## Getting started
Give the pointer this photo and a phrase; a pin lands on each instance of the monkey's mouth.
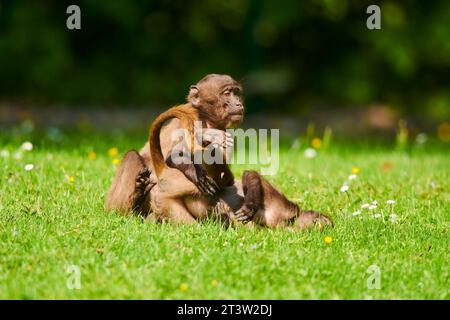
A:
(237, 117)
(239, 113)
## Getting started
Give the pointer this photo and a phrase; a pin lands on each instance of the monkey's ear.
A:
(193, 96)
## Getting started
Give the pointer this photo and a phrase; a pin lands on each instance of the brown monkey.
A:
(180, 191)
(215, 101)
(184, 191)
(255, 199)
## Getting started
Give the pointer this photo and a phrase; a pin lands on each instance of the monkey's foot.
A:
(222, 213)
(245, 213)
(143, 185)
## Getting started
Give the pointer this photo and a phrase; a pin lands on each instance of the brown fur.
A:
(149, 181)
(256, 201)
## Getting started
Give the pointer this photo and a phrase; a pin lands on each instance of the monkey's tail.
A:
(184, 114)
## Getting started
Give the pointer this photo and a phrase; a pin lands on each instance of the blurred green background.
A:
(293, 57)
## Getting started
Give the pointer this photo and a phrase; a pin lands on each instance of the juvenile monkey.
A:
(254, 199)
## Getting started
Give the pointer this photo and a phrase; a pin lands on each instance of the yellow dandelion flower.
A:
(184, 287)
(316, 143)
(355, 170)
(328, 239)
(70, 179)
(113, 152)
(443, 131)
(116, 162)
(214, 283)
(92, 155)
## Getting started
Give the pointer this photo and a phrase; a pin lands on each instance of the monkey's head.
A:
(219, 100)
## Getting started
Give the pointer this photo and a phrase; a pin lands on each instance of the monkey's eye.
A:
(227, 93)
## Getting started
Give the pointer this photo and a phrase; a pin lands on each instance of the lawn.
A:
(52, 225)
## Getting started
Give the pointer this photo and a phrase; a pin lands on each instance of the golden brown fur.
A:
(256, 201)
(150, 181)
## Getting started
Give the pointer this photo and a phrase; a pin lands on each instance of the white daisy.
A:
(356, 213)
(391, 202)
(27, 146)
(4, 154)
(377, 215)
(29, 167)
(372, 207)
(352, 177)
(393, 217)
(365, 206)
(310, 153)
(375, 202)
(18, 155)
(421, 138)
(344, 188)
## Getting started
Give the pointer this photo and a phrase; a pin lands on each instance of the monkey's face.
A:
(219, 99)
(230, 101)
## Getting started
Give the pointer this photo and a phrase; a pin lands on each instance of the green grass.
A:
(48, 223)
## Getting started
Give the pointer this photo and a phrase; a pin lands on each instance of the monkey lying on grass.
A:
(255, 200)
(163, 188)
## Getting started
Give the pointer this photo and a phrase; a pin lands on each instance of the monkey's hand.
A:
(204, 182)
(245, 213)
(217, 137)
(197, 175)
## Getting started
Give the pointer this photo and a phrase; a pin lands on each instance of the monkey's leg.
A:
(175, 211)
(253, 196)
(130, 188)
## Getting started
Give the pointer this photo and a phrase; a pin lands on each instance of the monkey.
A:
(255, 200)
(216, 102)
(146, 181)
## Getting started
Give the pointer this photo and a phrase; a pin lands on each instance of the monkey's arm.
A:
(196, 174)
(253, 189)
(223, 143)
(180, 157)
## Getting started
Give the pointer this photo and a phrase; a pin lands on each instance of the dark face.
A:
(219, 99)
